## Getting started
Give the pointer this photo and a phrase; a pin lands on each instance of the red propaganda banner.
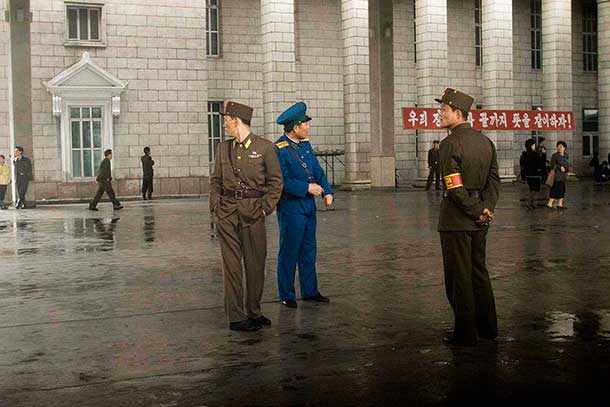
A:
(513, 120)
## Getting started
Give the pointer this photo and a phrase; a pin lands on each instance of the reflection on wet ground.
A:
(125, 309)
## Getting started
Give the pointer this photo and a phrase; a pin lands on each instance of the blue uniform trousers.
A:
(297, 246)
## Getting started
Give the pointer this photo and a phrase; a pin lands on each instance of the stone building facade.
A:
(77, 77)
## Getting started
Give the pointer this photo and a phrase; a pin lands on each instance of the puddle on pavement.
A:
(588, 325)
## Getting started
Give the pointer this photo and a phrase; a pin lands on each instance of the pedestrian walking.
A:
(104, 184)
(558, 176)
(533, 170)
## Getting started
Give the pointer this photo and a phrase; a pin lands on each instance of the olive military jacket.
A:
(104, 173)
(257, 166)
(473, 155)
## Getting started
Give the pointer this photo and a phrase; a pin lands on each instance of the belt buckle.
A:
(239, 194)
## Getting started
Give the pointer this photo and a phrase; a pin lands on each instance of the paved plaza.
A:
(126, 308)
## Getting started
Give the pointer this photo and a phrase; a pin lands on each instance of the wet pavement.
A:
(125, 309)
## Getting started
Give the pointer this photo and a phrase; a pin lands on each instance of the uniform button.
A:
(239, 158)
(302, 157)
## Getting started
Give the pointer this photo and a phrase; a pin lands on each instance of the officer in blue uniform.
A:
(304, 179)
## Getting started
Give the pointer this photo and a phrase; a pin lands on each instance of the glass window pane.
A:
(74, 112)
(214, 37)
(87, 164)
(86, 112)
(76, 164)
(75, 134)
(86, 134)
(97, 158)
(214, 22)
(97, 134)
(72, 24)
(94, 15)
(96, 112)
(83, 23)
(595, 144)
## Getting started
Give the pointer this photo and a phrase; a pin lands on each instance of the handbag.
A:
(550, 178)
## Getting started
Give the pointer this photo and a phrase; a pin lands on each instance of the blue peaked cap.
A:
(294, 115)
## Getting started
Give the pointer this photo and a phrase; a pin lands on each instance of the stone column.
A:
(497, 73)
(279, 71)
(603, 75)
(557, 64)
(20, 85)
(432, 67)
(355, 27)
(383, 157)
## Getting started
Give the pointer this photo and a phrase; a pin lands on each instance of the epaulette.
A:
(305, 139)
(282, 144)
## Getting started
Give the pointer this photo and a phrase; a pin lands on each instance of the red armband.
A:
(453, 181)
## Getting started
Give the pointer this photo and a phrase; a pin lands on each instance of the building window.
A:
(589, 33)
(212, 13)
(215, 128)
(84, 23)
(537, 134)
(590, 130)
(86, 140)
(415, 35)
(478, 31)
(536, 33)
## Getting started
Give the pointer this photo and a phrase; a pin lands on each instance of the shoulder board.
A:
(282, 144)
(305, 139)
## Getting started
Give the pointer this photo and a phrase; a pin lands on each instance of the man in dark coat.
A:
(104, 184)
(147, 174)
(433, 165)
(23, 175)
(469, 167)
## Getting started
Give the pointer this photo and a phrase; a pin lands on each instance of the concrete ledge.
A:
(124, 188)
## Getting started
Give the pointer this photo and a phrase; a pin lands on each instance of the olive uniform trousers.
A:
(468, 286)
(250, 244)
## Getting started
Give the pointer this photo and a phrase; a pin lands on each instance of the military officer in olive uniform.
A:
(304, 179)
(469, 168)
(244, 188)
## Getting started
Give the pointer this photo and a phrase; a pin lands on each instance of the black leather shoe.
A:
(93, 209)
(452, 341)
(262, 321)
(289, 303)
(117, 208)
(317, 298)
(246, 325)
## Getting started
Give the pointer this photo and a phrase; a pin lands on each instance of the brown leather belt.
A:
(243, 193)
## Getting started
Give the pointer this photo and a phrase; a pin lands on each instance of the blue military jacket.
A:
(295, 197)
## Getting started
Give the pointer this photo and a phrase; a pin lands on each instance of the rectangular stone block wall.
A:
(160, 50)
(463, 71)
(319, 66)
(584, 93)
(527, 83)
(238, 73)
(5, 144)
(405, 86)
